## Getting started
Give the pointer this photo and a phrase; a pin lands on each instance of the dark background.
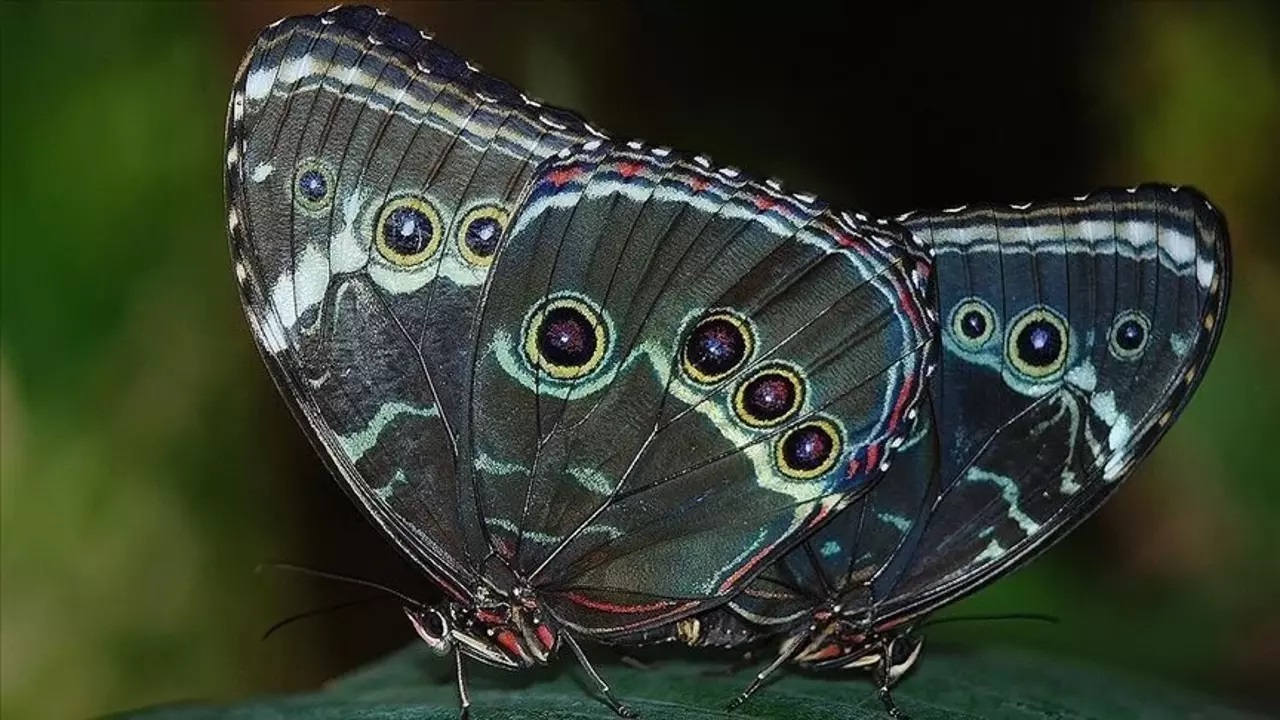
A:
(147, 464)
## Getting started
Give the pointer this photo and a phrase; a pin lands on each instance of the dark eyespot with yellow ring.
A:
(973, 323)
(313, 186)
(1129, 335)
(716, 347)
(808, 450)
(479, 232)
(407, 232)
(1037, 343)
(566, 338)
(770, 396)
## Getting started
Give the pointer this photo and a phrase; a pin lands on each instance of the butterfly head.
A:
(509, 634)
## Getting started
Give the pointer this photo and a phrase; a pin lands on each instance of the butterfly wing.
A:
(1074, 334)
(862, 543)
(677, 370)
(370, 173)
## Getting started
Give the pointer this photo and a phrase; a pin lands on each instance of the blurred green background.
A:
(147, 464)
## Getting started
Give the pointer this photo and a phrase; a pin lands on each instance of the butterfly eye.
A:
(566, 338)
(808, 450)
(407, 231)
(717, 346)
(1037, 343)
(973, 323)
(479, 232)
(769, 397)
(312, 186)
(1129, 335)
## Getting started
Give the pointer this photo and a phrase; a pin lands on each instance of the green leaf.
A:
(984, 685)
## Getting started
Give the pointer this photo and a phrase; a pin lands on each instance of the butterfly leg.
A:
(601, 685)
(883, 689)
(759, 680)
(464, 696)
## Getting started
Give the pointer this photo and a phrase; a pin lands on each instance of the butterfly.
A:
(587, 387)
(1073, 334)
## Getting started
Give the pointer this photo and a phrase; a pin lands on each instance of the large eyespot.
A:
(479, 232)
(808, 450)
(1037, 343)
(1129, 335)
(407, 231)
(312, 186)
(565, 337)
(716, 346)
(769, 397)
(973, 323)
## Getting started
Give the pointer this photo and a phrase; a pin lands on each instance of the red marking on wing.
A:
(823, 511)
(851, 241)
(658, 619)
(755, 559)
(907, 303)
(563, 176)
(699, 184)
(585, 601)
(854, 466)
(764, 203)
(627, 169)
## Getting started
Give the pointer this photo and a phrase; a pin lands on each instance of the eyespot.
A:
(479, 232)
(716, 346)
(1037, 343)
(566, 337)
(769, 397)
(808, 450)
(973, 323)
(408, 231)
(1129, 335)
(312, 186)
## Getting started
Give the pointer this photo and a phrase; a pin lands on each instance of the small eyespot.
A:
(566, 337)
(973, 323)
(408, 231)
(769, 396)
(1129, 335)
(312, 186)
(717, 346)
(479, 232)
(808, 450)
(1037, 343)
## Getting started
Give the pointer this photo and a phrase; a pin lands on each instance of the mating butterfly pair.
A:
(608, 391)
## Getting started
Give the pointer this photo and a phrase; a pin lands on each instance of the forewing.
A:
(370, 174)
(626, 465)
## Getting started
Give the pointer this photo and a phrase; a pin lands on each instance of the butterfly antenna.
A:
(1037, 617)
(320, 611)
(341, 578)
